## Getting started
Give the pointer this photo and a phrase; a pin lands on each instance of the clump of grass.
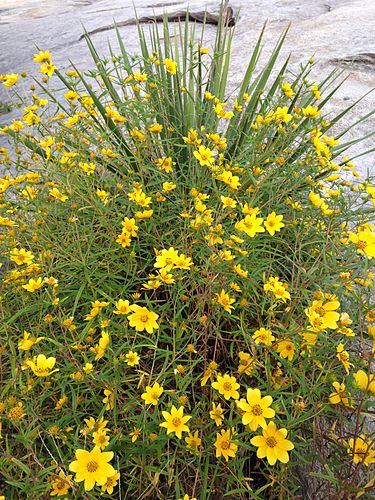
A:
(186, 289)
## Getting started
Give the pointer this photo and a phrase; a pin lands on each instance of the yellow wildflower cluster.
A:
(192, 271)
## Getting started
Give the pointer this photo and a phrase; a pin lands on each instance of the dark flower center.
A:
(271, 442)
(92, 466)
(257, 410)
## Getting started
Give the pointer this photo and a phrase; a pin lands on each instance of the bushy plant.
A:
(186, 283)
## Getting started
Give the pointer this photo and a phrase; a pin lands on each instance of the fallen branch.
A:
(363, 58)
(199, 17)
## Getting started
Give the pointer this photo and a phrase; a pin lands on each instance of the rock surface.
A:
(336, 32)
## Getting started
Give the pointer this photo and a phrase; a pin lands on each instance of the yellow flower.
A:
(286, 349)
(339, 395)
(146, 214)
(132, 358)
(255, 409)
(193, 442)
(21, 256)
(227, 386)
(208, 373)
(61, 485)
(316, 92)
(273, 223)
(170, 66)
(249, 210)
(238, 107)
(101, 347)
(109, 399)
(263, 336)
(72, 120)
(168, 186)
(343, 356)
(114, 115)
(124, 240)
(28, 342)
(370, 316)
(33, 285)
(111, 482)
(251, 225)
(42, 366)
(16, 413)
(143, 319)
(281, 115)
(225, 301)
(17, 126)
(47, 68)
(71, 95)
(364, 241)
(101, 439)
(5, 221)
(165, 163)
(273, 444)
(183, 262)
(208, 96)
(175, 421)
(233, 181)
(287, 89)
(97, 307)
(92, 467)
(219, 109)
(31, 118)
(220, 142)
(108, 152)
(9, 80)
(135, 434)
(311, 111)
(156, 128)
(216, 414)
(43, 57)
(192, 138)
(224, 445)
(235, 287)
(102, 195)
(204, 156)
(279, 289)
(140, 77)
(228, 202)
(88, 368)
(346, 331)
(61, 402)
(101, 424)
(361, 450)
(122, 307)
(166, 258)
(345, 319)
(364, 381)
(88, 168)
(57, 194)
(241, 272)
(246, 363)
(152, 394)
(322, 315)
